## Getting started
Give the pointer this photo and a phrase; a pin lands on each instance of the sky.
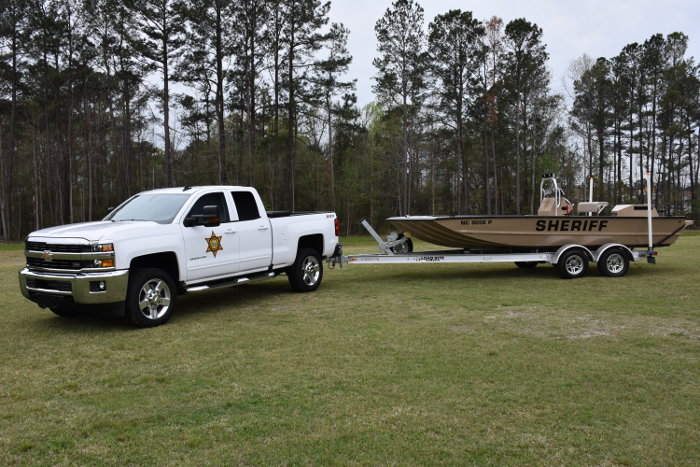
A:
(570, 29)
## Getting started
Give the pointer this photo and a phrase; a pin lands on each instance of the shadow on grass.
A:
(95, 319)
(482, 272)
(234, 301)
(231, 300)
(191, 306)
(495, 273)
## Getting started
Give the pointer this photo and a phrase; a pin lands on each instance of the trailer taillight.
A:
(337, 227)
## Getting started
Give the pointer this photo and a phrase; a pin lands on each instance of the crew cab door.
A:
(211, 251)
(254, 233)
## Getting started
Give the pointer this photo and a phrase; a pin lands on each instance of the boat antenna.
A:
(650, 253)
(590, 190)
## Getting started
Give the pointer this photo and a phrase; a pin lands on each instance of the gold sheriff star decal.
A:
(214, 243)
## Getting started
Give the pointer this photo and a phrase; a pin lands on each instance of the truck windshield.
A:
(161, 208)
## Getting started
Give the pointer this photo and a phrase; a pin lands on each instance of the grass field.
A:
(392, 364)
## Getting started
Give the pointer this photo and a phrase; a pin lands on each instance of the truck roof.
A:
(197, 189)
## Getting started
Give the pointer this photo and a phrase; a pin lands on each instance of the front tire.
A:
(306, 273)
(573, 264)
(613, 263)
(151, 297)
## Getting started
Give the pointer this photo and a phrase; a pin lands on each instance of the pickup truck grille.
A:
(58, 264)
(42, 246)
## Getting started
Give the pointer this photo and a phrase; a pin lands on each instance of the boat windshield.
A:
(160, 207)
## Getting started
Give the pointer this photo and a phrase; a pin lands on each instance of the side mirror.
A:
(210, 217)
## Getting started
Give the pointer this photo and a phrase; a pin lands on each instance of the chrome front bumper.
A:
(45, 288)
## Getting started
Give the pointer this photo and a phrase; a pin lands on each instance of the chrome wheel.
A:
(574, 265)
(154, 298)
(306, 274)
(615, 263)
(311, 270)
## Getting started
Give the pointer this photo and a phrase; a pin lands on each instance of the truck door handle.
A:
(230, 231)
(262, 227)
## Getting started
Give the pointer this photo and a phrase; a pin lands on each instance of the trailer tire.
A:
(405, 247)
(526, 264)
(613, 262)
(573, 264)
(150, 298)
(306, 273)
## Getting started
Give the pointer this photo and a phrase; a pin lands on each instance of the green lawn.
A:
(384, 364)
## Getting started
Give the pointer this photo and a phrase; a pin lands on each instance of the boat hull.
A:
(538, 232)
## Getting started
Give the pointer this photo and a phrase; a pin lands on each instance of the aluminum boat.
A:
(558, 222)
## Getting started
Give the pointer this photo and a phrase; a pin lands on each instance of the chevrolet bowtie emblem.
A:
(47, 255)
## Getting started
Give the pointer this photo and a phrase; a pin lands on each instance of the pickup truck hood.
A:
(96, 231)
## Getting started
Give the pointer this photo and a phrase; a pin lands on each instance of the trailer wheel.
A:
(573, 264)
(306, 273)
(405, 247)
(613, 263)
(526, 264)
(150, 298)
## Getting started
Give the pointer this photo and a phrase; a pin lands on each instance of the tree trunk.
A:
(517, 155)
(331, 170)
(169, 171)
(291, 117)
(221, 149)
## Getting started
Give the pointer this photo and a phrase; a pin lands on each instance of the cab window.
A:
(217, 199)
(245, 205)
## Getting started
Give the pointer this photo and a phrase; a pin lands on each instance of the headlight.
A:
(104, 263)
(102, 247)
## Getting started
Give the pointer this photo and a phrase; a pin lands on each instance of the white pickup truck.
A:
(162, 243)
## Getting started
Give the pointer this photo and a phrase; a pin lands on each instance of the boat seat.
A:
(633, 210)
(591, 206)
(548, 207)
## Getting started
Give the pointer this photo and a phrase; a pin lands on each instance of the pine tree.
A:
(401, 69)
(456, 51)
(162, 28)
(301, 39)
(526, 57)
(329, 84)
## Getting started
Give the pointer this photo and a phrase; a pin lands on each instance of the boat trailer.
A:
(571, 261)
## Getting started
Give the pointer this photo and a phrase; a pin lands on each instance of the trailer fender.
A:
(568, 247)
(599, 252)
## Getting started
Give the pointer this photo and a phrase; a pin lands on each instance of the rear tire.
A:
(573, 264)
(151, 297)
(613, 263)
(306, 273)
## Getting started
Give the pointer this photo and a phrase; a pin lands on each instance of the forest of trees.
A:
(100, 99)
